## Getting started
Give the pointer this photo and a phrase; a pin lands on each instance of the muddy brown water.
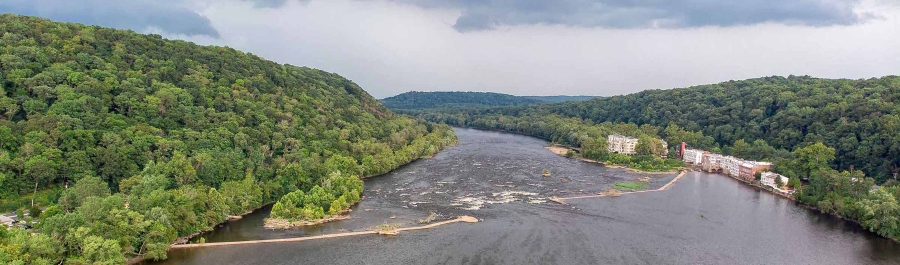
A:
(496, 177)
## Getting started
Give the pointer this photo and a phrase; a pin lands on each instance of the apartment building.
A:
(621, 144)
(693, 156)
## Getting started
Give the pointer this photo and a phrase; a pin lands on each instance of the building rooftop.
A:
(6, 219)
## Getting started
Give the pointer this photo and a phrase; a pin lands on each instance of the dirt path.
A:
(664, 187)
(466, 219)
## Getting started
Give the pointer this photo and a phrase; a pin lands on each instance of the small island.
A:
(298, 208)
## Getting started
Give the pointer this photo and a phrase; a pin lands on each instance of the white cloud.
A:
(389, 48)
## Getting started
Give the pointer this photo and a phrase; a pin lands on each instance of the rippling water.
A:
(702, 219)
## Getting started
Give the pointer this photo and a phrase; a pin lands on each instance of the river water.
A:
(496, 177)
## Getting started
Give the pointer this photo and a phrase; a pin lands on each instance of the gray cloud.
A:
(489, 14)
(389, 48)
(171, 16)
(271, 3)
(267, 3)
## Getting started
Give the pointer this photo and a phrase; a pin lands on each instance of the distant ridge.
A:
(426, 100)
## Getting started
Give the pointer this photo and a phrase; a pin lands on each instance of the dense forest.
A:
(859, 118)
(560, 98)
(841, 137)
(430, 100)
(427, 100)
(128, 141)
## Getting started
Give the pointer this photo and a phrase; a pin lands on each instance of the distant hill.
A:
(560, 98)
(428, 100)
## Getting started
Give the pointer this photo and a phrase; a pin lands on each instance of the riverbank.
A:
(186, 238)
(466, 219)
(756, 184)
(562, 150)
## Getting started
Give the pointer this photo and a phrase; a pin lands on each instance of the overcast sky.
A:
(526, 47)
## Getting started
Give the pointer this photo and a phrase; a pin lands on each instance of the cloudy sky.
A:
(524, 47)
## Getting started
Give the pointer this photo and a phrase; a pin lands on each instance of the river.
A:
(496, 177)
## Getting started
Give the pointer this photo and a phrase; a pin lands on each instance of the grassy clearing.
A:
(42, 198)
(630, 185)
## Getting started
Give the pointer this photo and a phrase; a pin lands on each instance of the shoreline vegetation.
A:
(564, 151)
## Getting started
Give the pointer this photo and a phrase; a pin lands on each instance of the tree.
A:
(643, 146)
(96, 250)
(812, 158)
(84, 188)
(292, 176)
(39, 169)
(794, 183)
(180, 169)
(778, 182)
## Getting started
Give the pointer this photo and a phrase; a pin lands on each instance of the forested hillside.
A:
(859, 118)
(427, 100)
(415, 100)
(159, 138)
(560, 98)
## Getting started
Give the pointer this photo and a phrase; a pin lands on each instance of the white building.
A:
(693, 156)
(731, 165)
(768, 178)
(621, 144)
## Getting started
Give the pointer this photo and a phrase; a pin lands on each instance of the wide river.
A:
(496, 177)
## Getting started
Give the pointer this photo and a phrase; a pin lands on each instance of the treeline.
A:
(584, 134)
(839, 136)
(157, 139)
(428, 100)
(849, 194)
(859, 118)
(560, 98)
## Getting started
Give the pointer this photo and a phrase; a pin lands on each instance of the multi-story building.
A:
(712, 162)
(731, 165)
(693, 156)
(621, 144)
(748, 169)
